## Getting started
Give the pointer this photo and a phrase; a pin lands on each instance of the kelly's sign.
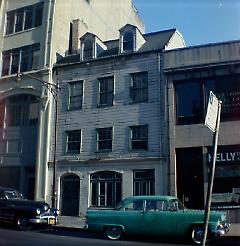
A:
(225, 156)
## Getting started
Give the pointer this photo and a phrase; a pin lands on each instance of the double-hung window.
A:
(104, 139)
(139, 137)
(139, 87)
(106, 89)
(73, 142)
(75, 95)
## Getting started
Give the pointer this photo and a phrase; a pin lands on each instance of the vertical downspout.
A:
(164, 126)
(49, 58)
(45, 115)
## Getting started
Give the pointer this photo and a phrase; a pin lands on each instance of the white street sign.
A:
(212, 112)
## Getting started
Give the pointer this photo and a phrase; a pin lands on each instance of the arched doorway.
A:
(70, 191)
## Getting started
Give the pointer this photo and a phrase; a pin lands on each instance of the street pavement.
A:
(78, 223)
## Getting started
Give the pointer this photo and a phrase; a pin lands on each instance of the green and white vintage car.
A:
(155, 216)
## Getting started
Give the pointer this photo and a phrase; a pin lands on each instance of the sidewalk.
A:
(69, 222)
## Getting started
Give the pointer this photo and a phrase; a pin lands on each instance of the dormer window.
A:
(88, 50)
(91, 46)
(128, 41)
(131, 39)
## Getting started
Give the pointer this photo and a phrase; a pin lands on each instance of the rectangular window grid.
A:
(139, 87)
(24, 18)
(139, 137)
(73, 141)
(22, 110)
(144, 182)
(20, 60)
(106, 89)
(104, 138)
(75, 95)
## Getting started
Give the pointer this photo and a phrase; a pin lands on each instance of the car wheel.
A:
(21, 223)
(197, 234)
(113, 232)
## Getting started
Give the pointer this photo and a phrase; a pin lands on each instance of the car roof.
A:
(165, 198)
(6, 189)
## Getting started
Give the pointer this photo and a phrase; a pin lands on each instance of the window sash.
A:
(10, 22)
(139, 88)
(104, 139)
(73, 141)
(24, 18)
(75, 95)
(21, 59)
(19, 20)
(139, 137)
(106, 90)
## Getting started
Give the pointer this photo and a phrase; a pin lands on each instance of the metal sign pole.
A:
(210, 182)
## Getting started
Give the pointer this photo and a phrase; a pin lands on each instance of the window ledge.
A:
(20, 32)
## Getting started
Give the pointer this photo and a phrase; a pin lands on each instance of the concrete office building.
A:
(33, 34)
(112, 127)
(191, 73)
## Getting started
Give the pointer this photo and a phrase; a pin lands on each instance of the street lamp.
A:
(53, 89)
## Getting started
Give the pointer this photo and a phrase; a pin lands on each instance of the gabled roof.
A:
(154, 41)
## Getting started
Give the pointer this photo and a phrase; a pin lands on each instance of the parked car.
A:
(23, 213)
(155, 216)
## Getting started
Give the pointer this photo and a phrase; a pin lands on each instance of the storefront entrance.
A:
(70, 191)
(190, 189)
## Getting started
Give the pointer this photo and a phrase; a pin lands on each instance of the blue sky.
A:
(199, 21)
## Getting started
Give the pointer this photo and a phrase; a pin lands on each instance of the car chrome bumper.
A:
(222, 230)
(46, 219)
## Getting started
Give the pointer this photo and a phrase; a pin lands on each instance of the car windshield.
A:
(119, 205)
(11, 194)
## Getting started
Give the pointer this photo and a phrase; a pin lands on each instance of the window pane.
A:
(106, 91)
(94, 194)
(109, 194)
(10, 22)
(38, 14)
(75, 95)
(15, 61)
(139, 137)
(227, 89)
(118, 192)
(28, 18)
(188, 99)
(88, 50)
(139, 89)
(143, 182)
(19, 20)
(128, 41)
(35, 56)
(2, 113)
(73, 141)
(24, 60)
(6, 63)
(104, 139)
